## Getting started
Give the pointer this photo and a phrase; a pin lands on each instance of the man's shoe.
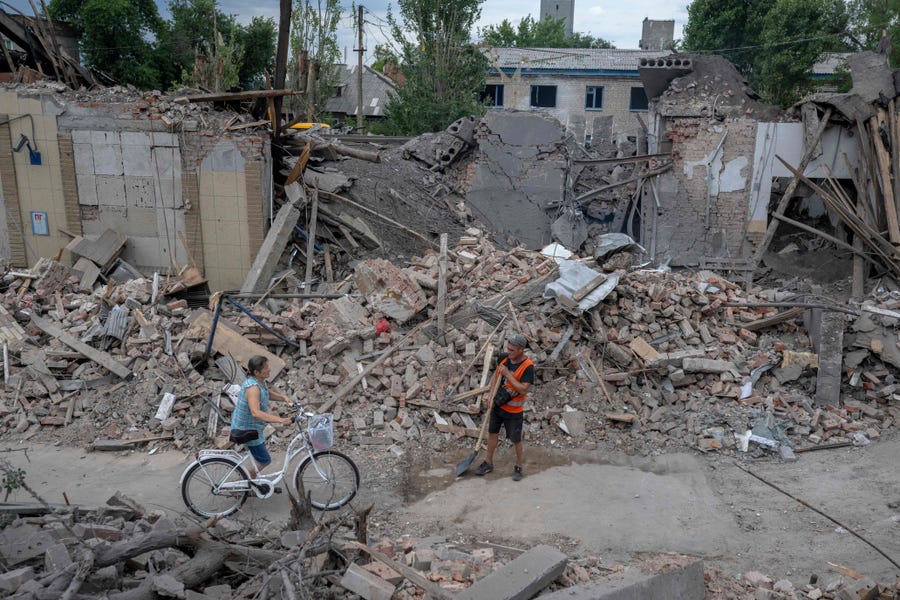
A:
(517, 473)
(484, 468)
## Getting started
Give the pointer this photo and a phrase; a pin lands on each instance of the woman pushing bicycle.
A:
(252, 413)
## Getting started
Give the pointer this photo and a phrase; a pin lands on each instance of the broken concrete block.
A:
(707, 365)
(369, 586)
(166, 585)
(56, 558)
(266, 260)
(523, 577)
(675, 359)
(19, 543)
(345, 312)
(383, 571)
(11, 580)
(388, 290)
(575, 423)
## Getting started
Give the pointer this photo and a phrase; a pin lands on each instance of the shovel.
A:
(465, 463)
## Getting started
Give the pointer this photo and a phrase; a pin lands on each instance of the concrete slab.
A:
(681, 584)
(369, 586)
(272, 248)
(831, 348)
(521, 578)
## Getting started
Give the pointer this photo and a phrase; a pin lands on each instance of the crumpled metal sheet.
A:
(573, 276)
(117, 322)
(610, 243)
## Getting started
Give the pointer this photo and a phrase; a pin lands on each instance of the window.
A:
(543, 96)
(492, 95)
(638, 100)
(593, 99)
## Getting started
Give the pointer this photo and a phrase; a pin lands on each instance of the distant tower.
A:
(657, 35)
(559, 9)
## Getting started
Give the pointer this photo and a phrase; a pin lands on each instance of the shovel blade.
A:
(465, 463)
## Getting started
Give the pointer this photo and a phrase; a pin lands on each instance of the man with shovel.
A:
(517, 374)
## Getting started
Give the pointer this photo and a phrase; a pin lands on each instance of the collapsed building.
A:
(122, 206)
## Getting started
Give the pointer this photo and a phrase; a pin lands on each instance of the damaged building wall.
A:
(32, 188)
(704, 215)
(787, 140)
(521, 169)
(114, 163)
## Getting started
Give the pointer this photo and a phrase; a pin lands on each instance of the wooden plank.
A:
(589, 287)
(640, 347)
(89, 273)
(101, 358)
(786, 196)
(781, 317)
(103, 251)
(887, 188)
(229, 342)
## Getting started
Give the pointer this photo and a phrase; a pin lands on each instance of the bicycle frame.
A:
(294, 449)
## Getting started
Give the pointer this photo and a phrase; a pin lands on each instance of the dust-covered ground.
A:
(599, 503)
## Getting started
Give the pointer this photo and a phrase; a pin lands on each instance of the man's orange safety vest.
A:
(517, 402)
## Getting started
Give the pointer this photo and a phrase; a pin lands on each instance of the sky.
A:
(613, 20)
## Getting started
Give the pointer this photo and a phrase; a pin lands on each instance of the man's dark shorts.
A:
(512, 422)
(260, 454)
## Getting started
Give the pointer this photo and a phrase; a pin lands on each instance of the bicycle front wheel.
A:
(201, 488)
(332, 485)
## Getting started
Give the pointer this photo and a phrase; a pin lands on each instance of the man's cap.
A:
(517, 339)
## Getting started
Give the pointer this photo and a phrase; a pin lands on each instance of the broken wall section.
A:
(520, 170)
(155, 169)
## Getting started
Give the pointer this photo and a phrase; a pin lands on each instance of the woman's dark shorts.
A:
(512, 422)
(260, 454)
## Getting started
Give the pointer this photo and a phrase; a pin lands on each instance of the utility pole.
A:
(359, 72)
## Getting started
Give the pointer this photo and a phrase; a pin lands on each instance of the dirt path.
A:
(611, 506)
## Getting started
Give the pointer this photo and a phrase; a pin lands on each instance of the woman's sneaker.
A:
(484, 468)
(517, 473)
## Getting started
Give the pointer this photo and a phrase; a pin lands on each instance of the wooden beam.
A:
(228, 96)
(281, 59)
(442, 291)
(95, 355)
(792, 186)
(311, 239)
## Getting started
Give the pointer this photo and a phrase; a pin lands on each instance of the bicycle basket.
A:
(320, 431)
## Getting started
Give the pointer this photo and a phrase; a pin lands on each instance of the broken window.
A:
(543, 96)
(593, 99)
(492, 95)
(638, 100)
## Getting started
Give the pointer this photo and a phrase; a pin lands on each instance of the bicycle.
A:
(217, 484)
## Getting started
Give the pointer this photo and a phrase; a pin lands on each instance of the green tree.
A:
(773, 43)
(204, 43)
(258, 41)
(784, 75)
(313, 31)
(870, 18)
(383, 55)
(546, 33)
(115, 36)
(444, 72)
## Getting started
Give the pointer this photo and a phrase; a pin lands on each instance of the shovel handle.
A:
(487, 415)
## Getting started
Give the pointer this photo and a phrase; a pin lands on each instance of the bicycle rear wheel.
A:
(199, 488)
(338, 486)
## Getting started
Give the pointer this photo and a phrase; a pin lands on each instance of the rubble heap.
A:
(665, 359)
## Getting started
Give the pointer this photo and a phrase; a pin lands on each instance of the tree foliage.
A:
(313, 30)
(773, 43)
(258, 42)
(444, 72)
(870, 18)
(530, 33)
(115, 36)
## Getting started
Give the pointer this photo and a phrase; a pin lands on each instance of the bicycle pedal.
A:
(277, 490)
